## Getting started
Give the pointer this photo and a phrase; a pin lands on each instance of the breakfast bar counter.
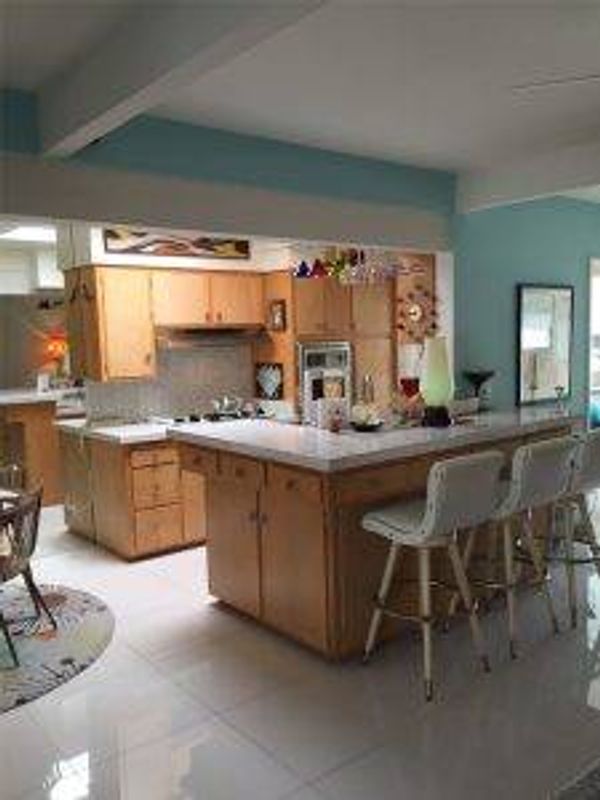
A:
(284, 505)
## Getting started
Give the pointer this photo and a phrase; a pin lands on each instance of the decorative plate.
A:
(269, 381)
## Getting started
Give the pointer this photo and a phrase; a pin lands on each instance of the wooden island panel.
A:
(285, 544)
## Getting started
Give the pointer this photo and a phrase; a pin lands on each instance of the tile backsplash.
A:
(186, 381)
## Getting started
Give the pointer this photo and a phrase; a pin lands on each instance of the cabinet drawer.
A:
(196, 459)
(156, 486)
(149, 456)
(158, 529)
(290, 481)
(241, 468)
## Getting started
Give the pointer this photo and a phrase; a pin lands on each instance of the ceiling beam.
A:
(556, 172)
(153, 52)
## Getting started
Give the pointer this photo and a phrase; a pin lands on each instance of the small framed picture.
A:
(277, 316)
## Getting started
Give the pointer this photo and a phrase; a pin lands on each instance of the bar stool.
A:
(541, 476)
(462, 493)
(585, 479)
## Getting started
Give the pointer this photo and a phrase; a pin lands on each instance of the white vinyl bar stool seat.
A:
(541, 476)
(461, 494)
(585, 479)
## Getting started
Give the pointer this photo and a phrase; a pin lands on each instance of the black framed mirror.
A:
(545, 342)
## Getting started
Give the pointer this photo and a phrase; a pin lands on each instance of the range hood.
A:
(189, 338)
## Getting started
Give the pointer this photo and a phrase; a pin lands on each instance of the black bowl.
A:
(366, 427)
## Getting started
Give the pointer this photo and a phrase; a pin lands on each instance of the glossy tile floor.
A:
(191, 702)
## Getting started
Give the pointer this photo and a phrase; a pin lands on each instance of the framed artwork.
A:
(134, 241)
(277, 316)
(545, 342)
(269, 380)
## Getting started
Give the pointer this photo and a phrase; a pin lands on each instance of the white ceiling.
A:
(432, 84)
(42, 37)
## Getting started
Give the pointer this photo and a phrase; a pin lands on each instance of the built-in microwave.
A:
(324, 371)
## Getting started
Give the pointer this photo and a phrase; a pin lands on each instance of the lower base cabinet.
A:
(293, 556)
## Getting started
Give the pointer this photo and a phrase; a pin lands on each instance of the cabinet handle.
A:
(253, 516)
(263, 519)
(219, 316)
(207, 316)
(238, 472)
(148, 358)
(290, 484)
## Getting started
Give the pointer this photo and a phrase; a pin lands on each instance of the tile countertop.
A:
(329, 452)
(22, 397)
(135, 433)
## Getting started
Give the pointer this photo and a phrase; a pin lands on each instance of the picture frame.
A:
(277, 316)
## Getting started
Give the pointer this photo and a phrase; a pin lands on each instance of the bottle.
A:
(368, 389)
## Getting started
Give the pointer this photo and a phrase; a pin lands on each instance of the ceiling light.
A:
(30, 233)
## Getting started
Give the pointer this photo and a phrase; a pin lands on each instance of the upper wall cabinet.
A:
(323, 307)
(236, 298)
(109, 319)
(372, 309)
(213, 299)
(180, 298)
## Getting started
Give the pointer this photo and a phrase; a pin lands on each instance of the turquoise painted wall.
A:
(546, 241)
(150, 144)
(18, 121)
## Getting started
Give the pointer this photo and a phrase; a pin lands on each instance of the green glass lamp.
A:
(437, 384)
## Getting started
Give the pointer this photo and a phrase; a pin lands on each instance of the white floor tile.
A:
(212, 762)
(140, 724)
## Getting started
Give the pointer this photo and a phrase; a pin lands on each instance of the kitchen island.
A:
(283, 511)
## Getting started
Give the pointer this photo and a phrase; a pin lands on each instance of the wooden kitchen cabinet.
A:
(180, 298)
(110, 324)
(293, 555)
(323, 307)
(139, 499)
(372, 310)
(374, 357)
(233, 548)
(236, 298)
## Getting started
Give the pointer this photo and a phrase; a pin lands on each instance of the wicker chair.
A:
(19, 523)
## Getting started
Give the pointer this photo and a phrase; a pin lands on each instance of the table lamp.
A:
(437, 385)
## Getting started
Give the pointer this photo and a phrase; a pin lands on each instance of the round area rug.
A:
(49, 657)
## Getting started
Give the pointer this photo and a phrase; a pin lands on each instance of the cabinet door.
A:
(74, 320)
(180, 298)
(158, 529)
(372, 309)
(338, 308)
(233, 542)
(193, 493)
(375, 358)
(127, 325)
(309, 306)
(237, 299)
(293, 555)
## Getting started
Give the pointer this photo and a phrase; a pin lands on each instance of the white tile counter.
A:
(329, 452)
(135, 433)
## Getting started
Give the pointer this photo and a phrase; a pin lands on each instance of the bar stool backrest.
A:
(586, 472)
(541, 473)
(462, 492)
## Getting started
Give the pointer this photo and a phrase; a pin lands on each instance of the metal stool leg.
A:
(425, 614)
(37, 597)
(466, 560)
(509, 578)
(9, 641)
(570, 566)
(382, 594)
(465, 592)
(538, 566)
